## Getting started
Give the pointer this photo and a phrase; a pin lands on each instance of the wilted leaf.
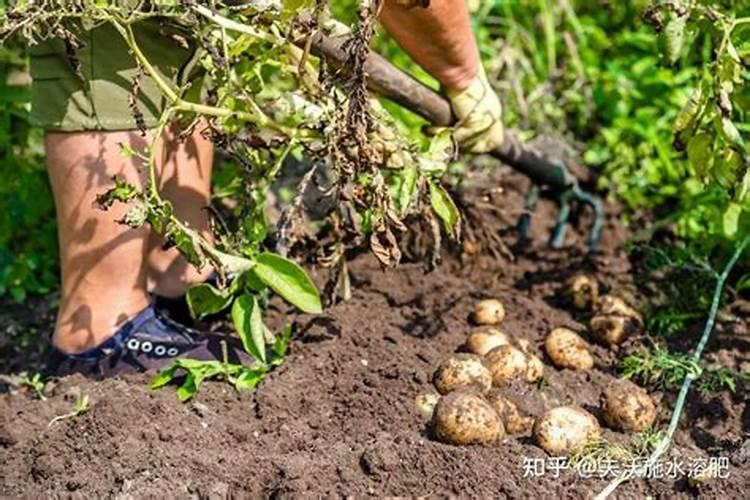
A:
(385, 247)
(691, 113)
(699, 153)
(673, 36)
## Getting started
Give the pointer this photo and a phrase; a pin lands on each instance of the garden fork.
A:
(551, 178)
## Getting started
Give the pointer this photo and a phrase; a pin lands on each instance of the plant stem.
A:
(663, 444)
(179, 104)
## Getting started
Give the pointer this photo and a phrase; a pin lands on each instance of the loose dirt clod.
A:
(424, 404)
(462, 370)
(506, 363)
(563, 430)
(464, 417)
(628, 407)
(567, 349)
(484, 340)
(582, 291)
(488, 312)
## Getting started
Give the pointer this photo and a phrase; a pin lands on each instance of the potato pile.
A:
(471, 407)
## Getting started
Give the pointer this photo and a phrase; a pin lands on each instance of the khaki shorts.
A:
(63, 101)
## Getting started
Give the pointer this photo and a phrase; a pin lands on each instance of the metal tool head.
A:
(566, 198)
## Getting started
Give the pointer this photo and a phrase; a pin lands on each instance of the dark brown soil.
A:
(337, 418)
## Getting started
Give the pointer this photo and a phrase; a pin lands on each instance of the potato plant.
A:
(270, 103)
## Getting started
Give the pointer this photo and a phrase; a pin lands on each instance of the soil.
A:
(337, 418)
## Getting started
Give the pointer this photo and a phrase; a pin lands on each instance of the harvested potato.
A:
(483, 341)
(563, 430)
(582, 291)
(488, 312)
(628, 407)
(534, 368)
(515, 422)
(462, 370)
(612, 305)
(465, 417)
(505, 363)
(612, 330)
(425, 404)
(567, 349)
(614, 321)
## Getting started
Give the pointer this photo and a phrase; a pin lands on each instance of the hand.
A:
(479, 128)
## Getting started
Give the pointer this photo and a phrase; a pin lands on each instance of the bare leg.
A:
(102, 261)
(185, 178)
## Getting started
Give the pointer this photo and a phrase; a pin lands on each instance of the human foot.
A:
(149, 340)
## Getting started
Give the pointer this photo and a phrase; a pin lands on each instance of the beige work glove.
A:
(479, 128)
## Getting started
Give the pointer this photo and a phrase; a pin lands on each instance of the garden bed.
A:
(338, 419)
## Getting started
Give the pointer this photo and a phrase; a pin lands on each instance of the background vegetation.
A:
(594, 72)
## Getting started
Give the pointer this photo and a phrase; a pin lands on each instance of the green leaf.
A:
(249, 379)
(743, 283)
(281, 345)
(444, 207)
(205, 299)
(407, 188)
(163, 377)
(248, 321)
(731, 219)
(188, 388)
(289, 280)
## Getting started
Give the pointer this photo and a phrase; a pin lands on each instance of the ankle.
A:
(83, 325)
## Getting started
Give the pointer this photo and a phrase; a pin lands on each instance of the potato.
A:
(534, 368)
(462, 370)
(614, 321)
(506, 363)
(513, 420)
(465, 417)
(488, 312)
(563, 430)
(567, 349)
(483, 341)
(425, 404)
(628, 407)
(582, 291)
(612, 330)
(612, 305)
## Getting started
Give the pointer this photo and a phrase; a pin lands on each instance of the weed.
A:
(598, 451)
(659, 367)
(81, 406)
(36, 383)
